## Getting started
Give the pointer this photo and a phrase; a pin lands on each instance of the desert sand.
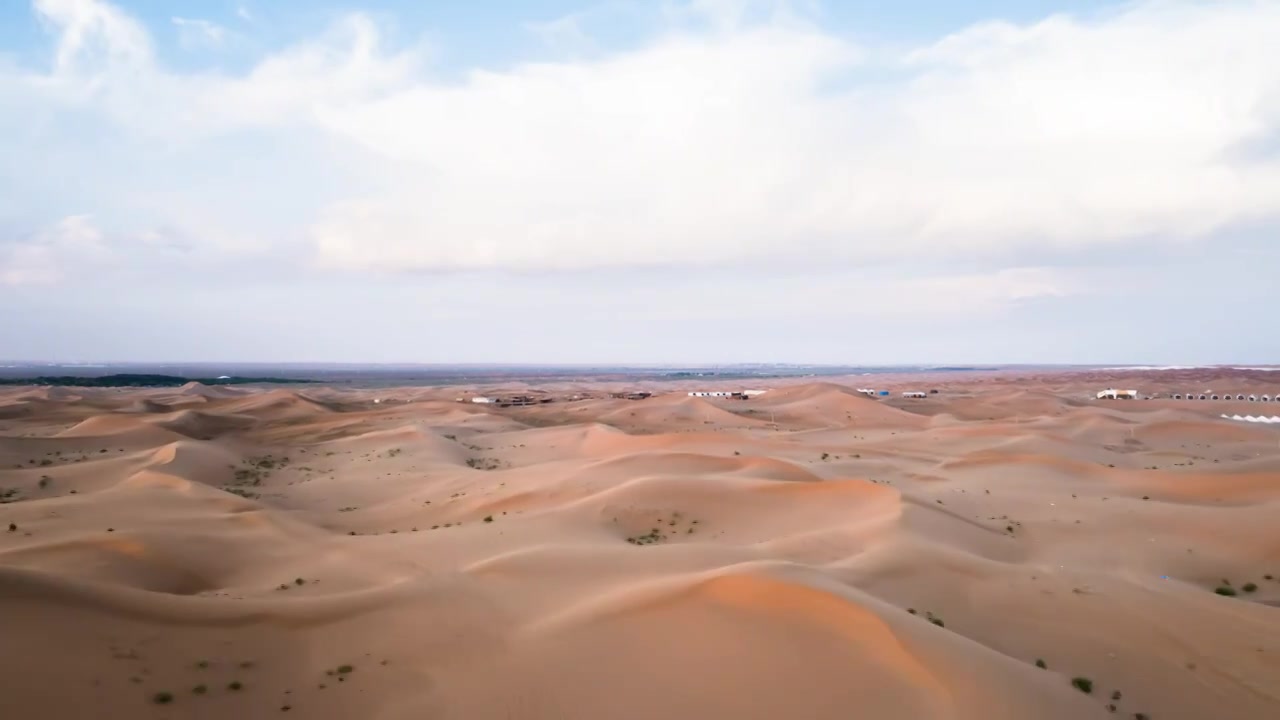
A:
(210, 552)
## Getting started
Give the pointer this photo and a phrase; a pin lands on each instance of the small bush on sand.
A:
(1249, 587)
(1226, 590)
(1083, 684)
(162, 698)
(199, 689)
(235, 686)
(1042, 664)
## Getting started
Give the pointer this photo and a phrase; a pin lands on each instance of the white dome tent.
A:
(1272, 420)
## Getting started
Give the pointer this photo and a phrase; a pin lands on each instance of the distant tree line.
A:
(142, 380)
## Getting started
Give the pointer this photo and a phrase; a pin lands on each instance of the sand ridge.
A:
(390, 553)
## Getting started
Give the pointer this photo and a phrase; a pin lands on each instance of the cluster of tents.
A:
(1227, 396)
(1274, 419)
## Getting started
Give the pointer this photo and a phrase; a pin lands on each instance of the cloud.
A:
(564, 35)
(91, 32)
(243, 13)
(741, 133)
(194, 32)
(756, 144)
(42, 258)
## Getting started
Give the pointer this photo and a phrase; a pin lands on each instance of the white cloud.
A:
(42, 258)
(753, 140)
(91, 32)
(243, 13)
(194, 32)
(564, 35)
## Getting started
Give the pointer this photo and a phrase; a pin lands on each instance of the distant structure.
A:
(1114, 394)
(1209, 395)
(915, 394)
(482, 400)
(1272, 420)
(735, 394)
(518, 401)
(631, 395)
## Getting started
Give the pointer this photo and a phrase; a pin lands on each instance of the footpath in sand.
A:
(1000, 551)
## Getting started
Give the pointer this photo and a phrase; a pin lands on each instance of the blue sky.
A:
(685, 181)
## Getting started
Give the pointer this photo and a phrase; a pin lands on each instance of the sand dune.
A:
(663, 414)
(809, 553)
(828, 404)
(204, 425)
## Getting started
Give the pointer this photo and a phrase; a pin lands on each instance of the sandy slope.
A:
(811, 553)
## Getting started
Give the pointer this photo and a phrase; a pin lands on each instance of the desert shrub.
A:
(199, 689)
(1042, 664)
(235, 686)
(162, 698)
(1249, 587)
(1083, 684)
(1225, 590)
(488, 518)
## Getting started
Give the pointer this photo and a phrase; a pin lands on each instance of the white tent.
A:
(1272, 420)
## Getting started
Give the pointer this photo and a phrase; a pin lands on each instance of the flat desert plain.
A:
(1009, 548)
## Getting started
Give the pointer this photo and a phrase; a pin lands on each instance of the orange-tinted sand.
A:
(810, 553)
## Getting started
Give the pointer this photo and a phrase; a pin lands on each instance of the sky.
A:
(678, 181)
